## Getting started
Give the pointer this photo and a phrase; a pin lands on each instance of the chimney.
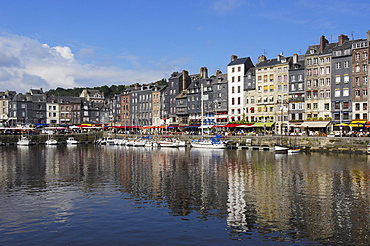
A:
(261, 58)
(295, 58)
(185, 75)
(342, 39)
(218, 72)
(323, 43)
(279, 57)
(233, 58)
(368, 35)
(203, 72)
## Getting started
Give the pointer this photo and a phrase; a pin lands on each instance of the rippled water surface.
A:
(113, 195)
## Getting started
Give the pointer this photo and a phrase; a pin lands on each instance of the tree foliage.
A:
(109, 92)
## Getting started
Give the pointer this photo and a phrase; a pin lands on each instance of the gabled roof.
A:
(244, 60)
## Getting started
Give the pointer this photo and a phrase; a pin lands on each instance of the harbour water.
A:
(115, 195)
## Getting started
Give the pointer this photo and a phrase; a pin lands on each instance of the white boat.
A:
(180, 143)
(281, 149)
(24, 141)
(120, 141)
(110, 141)
(139, 143)
(168, 143)
(71, 140)
(51, 141)
(208, 144)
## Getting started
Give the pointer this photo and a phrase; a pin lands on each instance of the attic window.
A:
(312, 51)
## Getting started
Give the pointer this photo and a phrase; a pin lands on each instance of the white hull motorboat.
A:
(71, 140)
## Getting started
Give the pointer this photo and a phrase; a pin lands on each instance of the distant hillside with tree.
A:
(109, 92)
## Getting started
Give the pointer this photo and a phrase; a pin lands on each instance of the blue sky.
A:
(87, 43)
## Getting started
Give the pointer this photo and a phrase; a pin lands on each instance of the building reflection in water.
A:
(323, 197)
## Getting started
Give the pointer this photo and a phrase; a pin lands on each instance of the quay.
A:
(356, 145)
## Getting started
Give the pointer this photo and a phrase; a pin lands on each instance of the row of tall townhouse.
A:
(329, 83)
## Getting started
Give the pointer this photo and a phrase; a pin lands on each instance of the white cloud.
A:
(226, 6)
(26, 63)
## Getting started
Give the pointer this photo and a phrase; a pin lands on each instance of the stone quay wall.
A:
(311, 143)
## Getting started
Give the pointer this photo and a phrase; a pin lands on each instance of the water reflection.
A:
(297, 198)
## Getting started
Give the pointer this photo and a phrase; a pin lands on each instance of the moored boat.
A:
(168, 143)
(281, 149)
(24, 141)
(294, 150)
(51, 141)
(71, 140)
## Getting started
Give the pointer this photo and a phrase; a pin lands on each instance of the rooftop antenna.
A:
(353, 36)
(265, 52)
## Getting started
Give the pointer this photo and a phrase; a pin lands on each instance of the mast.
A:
(201, 106)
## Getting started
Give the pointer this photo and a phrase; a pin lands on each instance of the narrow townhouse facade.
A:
(250, 95)
(70, 110)
(52, 111)
(176, 83)
(360, 75)
(156, 105)
(281, 90)
(236, 71)
(268, 109)
(341, 81)
(5, 98)
(125, 108)
(220, 97)
(20, 108)
(318, 80)
(296, 92)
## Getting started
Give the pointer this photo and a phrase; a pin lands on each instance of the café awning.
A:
(315, 124)
(263, 124)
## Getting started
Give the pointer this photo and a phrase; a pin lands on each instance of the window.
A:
(326, 106)
(232, 101)
(239, 69)
(357, 56)
(309, 61)
(365, 81)
(337, 65)
(309, 94)
(238, 78)
(346, 78)
(364, 67)
(322, 70)
(309, 72)
(337, 79)
(322, 82)
(357, 106)
(315, 60)
(308, 83)
(322, 94)
(364, 55)
(315, 106)
(308, 105)
(357, 68)
(327, 81)
(315, 94)
(327, 70)
(345, 92)
(346, 64)
(232, 89)
(239, 89)
(357, 81)
(233, 69)
(337, 93)
(357, 93)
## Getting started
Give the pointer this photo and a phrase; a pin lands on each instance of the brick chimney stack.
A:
(323, 43)
(342, 39)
